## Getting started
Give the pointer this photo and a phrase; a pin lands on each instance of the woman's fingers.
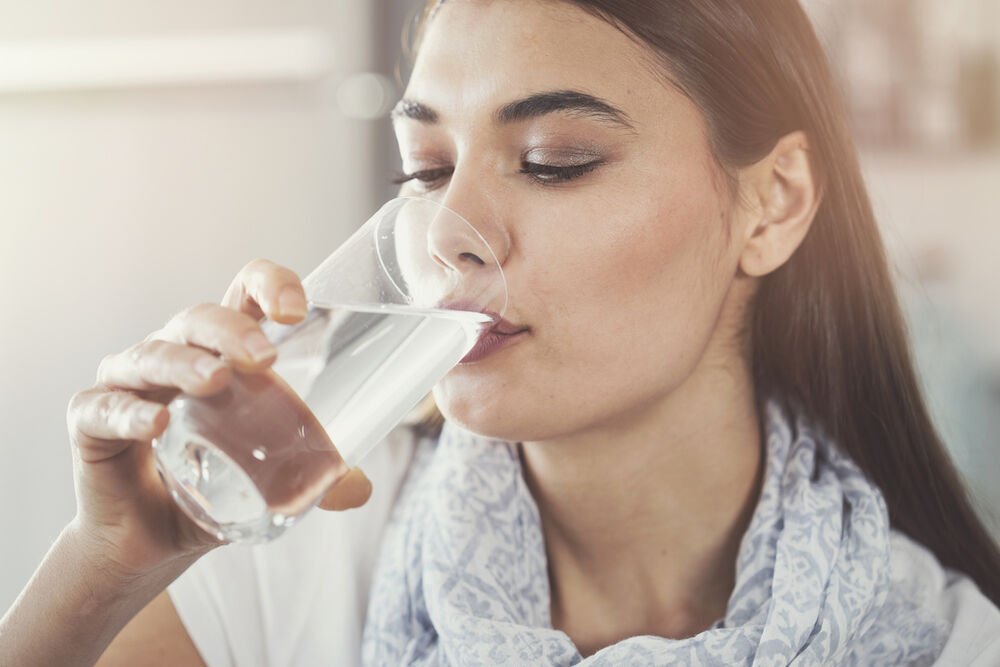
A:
(265, 289)
(183, 356)
(171, 358)
(237, 336)
(352, 491)
(102, 423)
(154, 364)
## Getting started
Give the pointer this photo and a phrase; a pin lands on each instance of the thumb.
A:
(353, 490)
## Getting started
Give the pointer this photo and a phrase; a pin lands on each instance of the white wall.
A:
(120, 207)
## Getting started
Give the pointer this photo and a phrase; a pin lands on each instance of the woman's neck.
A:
(643, 518)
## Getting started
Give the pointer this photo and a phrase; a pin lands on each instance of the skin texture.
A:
(631, 390)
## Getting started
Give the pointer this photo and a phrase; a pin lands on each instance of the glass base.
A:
(206, 483)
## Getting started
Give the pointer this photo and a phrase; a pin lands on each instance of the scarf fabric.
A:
(462, 574)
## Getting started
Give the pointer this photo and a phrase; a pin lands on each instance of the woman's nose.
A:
(454, 243)
(482, 239)
(467, 241)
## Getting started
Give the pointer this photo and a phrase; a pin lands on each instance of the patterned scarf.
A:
(462, 578)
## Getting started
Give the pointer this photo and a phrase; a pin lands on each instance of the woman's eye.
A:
(546, 173)
(429, 178)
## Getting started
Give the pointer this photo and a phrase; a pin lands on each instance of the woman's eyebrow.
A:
(530, 107)
(573, 101)
(414, 111)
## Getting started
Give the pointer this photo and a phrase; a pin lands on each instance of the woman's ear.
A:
(781, 198)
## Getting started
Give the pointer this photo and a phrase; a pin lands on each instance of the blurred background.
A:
(149, 150)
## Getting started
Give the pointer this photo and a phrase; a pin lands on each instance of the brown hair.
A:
(827, 333)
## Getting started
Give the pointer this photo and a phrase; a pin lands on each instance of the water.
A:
(246, 463)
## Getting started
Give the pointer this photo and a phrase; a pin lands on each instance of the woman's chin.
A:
(499, 422)
(476, 418)
(482, 417)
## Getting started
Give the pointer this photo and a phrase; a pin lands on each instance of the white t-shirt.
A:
(301, 600)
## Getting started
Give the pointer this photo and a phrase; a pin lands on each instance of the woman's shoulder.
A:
(969, 621)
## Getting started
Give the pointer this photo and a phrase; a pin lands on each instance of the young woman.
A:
(703, 442)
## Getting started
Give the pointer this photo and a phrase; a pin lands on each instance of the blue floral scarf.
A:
(462, 579)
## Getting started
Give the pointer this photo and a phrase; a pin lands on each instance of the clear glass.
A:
(391, 311)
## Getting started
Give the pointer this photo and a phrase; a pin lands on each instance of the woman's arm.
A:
(75, 604)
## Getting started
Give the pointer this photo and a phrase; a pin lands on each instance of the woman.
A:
(702, 444)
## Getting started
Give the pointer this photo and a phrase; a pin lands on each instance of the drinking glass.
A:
(391, 311)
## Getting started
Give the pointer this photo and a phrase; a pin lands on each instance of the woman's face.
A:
(550, 131)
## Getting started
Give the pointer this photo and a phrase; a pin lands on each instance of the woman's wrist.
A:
(77, 602)
(123, 577)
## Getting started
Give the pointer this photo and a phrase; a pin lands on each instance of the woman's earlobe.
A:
(786, 188)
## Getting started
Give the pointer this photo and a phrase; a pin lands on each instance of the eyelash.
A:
(540, 173)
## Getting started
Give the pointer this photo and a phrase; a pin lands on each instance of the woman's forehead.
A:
(477, 54)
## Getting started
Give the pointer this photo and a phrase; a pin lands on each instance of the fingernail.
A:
(259, 347)
(291, 302)
(207, 366)
(147, 414)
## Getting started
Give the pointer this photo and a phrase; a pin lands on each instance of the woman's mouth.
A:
(497, 337)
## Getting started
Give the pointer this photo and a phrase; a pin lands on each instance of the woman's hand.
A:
(125, 515)
(129, 540)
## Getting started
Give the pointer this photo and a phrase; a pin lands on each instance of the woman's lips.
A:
(500, 335)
